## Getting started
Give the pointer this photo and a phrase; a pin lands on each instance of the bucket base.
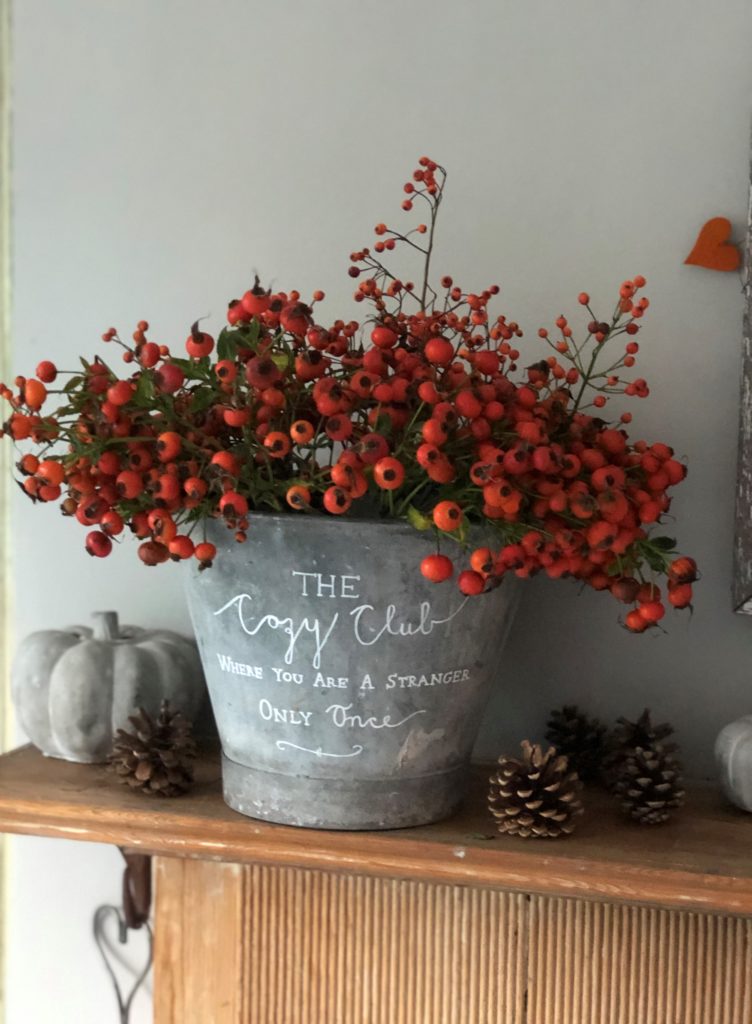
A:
(346, 805)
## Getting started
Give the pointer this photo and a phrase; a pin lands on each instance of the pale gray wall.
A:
(164, 149)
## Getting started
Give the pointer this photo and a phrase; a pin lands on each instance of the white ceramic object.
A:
(73, 688)
(733, 752)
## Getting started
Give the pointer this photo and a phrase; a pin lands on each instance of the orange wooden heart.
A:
(713, 248)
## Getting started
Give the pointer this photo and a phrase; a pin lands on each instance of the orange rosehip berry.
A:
(447, 516)
(112, 523)
(470, 582)
(437, 568)
(236, 417)
(120, 392)
(51, 472)
(34, 393)
(277, 444)
(205, 552)
(233, 505)
(29, 464)
(634, 622)
(439, 351)
(301, 431)
(168, 446)
(195, 488)
(298, 497)
(98, 544)
(129, 484)
(683, 570)
(198, 343)
(482, 560)
(680, 595)
(180, 547)
(226, 462)
(337, 500)
(652, 611)
(383, 337)
(389, 473)
(151, 552)
(226, 370)
(46, 371)
(161, 526)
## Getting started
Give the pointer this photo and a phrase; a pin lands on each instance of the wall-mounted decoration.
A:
(714, 249)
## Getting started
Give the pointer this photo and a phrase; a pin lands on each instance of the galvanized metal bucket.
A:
(347, 689)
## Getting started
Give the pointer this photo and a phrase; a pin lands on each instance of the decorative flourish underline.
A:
(283, 744)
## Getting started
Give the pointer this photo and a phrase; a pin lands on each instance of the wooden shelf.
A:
(702, 861)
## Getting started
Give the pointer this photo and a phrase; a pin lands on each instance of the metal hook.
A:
(133, 916)
(100, 915)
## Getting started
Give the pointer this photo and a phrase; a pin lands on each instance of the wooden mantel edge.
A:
(529, 870)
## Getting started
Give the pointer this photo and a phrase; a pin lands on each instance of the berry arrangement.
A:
(419, 413)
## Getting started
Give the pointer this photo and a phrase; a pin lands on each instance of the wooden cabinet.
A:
(448, 924)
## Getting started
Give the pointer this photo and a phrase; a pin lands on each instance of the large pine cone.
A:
(580, 738)
(649, 784)
(158, 756)
(536, 795)
(626, 737)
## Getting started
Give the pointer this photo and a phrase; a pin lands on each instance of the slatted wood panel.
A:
(346, 949)
(605, 963)
(271, 945)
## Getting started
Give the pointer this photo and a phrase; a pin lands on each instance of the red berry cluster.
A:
(417, 413)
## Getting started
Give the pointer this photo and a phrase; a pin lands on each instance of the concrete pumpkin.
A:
(733, 751)
(72, 689)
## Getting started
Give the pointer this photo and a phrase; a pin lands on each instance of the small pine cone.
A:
(536, 795)
(626, 737)
(157, 757)
(649, 784)
(580, 738)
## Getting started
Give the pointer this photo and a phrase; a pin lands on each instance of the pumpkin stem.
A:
(106, 626)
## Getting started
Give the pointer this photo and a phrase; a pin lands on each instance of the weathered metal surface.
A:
(742, 585)
(347, 689)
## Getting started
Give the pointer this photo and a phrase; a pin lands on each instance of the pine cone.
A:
(649, 784)
(580, 738)
(158, 756)
(536, 795)
(626, 737)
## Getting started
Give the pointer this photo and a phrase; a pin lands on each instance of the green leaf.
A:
(72, 384)
(383, 425)
(656, 561)
(227, 344)
(281, 360)
(663, 543)
(201, 399)
(245, 335)
(418, 519)
(144, 394)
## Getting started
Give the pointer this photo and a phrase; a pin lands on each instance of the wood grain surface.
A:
(259, 944)
(702, 860)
